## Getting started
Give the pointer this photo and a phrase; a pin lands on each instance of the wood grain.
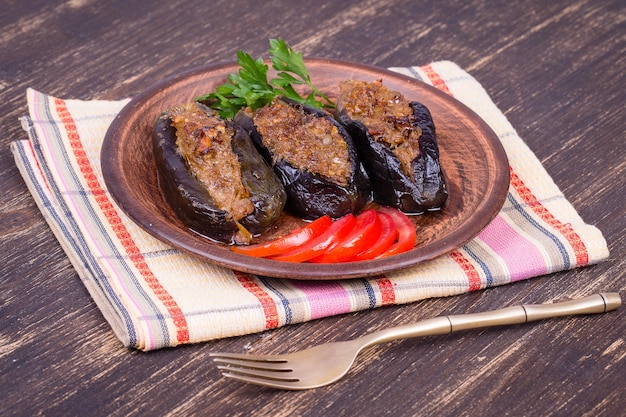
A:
(554, 68)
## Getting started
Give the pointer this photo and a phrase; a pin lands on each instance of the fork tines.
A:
(255, 369)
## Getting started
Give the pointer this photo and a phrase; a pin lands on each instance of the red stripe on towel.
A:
(267, 303)
(435, 79)
(387, 292)
(565, 229)
(473, 279)
(178, 318)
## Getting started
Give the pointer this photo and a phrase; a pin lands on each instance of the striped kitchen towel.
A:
(154, 296)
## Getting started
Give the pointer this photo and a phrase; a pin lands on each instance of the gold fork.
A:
(324, 364)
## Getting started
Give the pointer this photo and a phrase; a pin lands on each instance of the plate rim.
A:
(308, 271)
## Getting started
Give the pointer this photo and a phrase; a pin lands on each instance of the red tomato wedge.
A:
(387, 238)
(314, 247)
(366, 230)
(288, 242)
(406, 232)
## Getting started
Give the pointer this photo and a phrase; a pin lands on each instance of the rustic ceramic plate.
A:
(474, 163)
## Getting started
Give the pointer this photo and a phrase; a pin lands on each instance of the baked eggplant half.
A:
(313, 156)
(212, 176)
(397, 142)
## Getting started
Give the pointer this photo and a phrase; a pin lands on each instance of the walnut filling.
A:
(204, 141)
(307, 142)
(387, 116)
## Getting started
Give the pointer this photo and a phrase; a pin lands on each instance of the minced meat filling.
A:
(387, 116)
(204, 141)
(307, 142)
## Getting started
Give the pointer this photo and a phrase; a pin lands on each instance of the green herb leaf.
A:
(286, 59)
(249, 87)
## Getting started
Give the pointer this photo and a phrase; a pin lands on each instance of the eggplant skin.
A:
(311, 195)
(193, 204)
(390, 185)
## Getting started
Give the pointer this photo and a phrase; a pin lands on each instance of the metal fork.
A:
(324, 364)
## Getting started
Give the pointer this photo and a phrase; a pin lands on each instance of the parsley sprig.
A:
(249, 87)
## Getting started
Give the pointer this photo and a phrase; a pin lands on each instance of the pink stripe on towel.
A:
(325, 298)
(521, 256)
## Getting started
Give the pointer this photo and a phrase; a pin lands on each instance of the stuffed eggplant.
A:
(213, 177)
(312, 155)
(397, 143)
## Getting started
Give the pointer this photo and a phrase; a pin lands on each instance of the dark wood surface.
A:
(556, 69)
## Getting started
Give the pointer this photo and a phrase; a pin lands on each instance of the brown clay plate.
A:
(474, 163)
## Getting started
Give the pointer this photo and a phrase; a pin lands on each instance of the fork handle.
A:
(593, 304)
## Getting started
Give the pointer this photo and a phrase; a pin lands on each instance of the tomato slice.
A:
(367, 228)
(387, 238)
(314, 247)
(406, 232)
(288, 242)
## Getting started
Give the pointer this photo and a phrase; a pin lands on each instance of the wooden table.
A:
(556, 69)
